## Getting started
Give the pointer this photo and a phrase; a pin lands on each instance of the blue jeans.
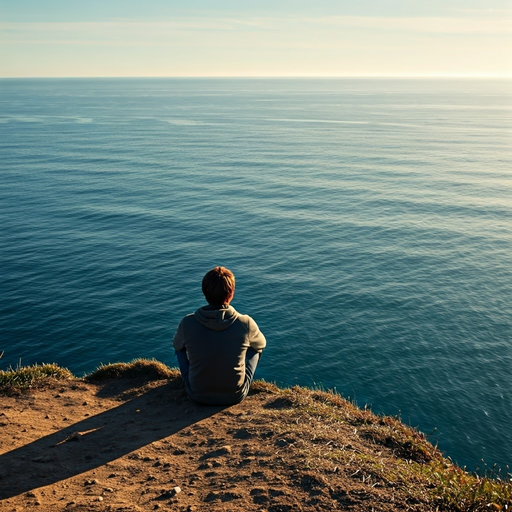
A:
(252, 358)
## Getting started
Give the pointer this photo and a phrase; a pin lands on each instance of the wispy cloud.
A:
(180, 24)
(124, 32)
(426, 25)
(463, 43)
(499, 23)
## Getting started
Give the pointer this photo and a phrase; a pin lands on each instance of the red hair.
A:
(219, 286)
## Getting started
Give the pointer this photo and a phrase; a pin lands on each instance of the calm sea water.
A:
(368, 222)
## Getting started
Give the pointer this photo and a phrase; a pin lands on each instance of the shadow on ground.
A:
(154, 415)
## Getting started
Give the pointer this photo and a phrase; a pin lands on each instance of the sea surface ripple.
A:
(368, 222)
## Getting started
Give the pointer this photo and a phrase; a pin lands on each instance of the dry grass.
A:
(30, 376)
(143, 369)
(324, 434)
(314, 421)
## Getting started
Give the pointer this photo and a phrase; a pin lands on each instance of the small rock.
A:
(99, 498)
(109, 489)
(151, 477)
(112, 475)
(164, 494)
(31, 494)
(178, 451)
(75, 436)
(92, 481)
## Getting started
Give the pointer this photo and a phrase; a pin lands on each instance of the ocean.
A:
(368, 223)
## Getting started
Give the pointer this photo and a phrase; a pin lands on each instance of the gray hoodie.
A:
(216, 341)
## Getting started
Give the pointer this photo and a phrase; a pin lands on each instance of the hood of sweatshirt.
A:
(216, 319)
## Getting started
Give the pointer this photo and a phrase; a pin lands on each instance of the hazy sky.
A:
(255, 38)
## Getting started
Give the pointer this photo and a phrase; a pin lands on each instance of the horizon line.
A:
(439, 76)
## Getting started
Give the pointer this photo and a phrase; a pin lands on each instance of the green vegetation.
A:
(330, 432)
(24, 377)
(455, 489)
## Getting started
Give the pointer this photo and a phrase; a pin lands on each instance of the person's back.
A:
(218, 349)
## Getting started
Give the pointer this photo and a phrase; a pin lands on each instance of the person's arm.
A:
(180, 351)
(179, 338)
(256, 339)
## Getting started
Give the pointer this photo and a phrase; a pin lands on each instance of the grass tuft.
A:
(456, 489)
(262, 386)
(30, 376)
(141, 369)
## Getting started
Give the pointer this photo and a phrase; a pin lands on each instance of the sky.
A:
(257, 38)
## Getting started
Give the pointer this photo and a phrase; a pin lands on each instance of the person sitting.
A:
(218, 349)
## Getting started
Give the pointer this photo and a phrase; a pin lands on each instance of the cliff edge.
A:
(127, 438)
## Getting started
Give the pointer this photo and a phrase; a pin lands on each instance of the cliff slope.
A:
(137, 443)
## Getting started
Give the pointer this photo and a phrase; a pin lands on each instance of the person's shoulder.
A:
(253, 331)
(188, 318)
(246, 320)
(239, 316)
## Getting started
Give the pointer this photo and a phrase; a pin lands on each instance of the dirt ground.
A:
(116, 446)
